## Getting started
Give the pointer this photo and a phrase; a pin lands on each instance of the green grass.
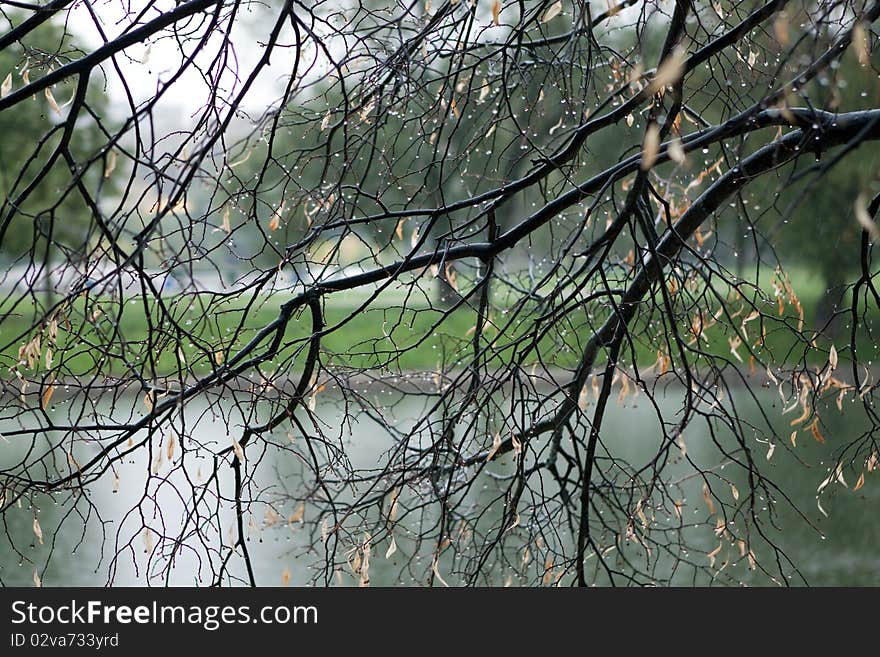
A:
(379, 338)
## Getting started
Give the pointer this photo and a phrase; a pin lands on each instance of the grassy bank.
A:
(97, 336)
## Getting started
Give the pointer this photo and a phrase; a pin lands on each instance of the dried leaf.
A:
(298, 514)
(676, 151)
(157, 462)
(454, 107)
(670, 70)
(226, 224)
(365, 562)
(496, 445)
(770, 450)
(517, 445)
(735, 492)
(239, 452)
(552, 12)
(814, 429)
(861, 43)
(275, 221)
(707, 496)
(832, 358)
(37, 581)
(325, 122)
(867, 223)
(435, 569)
(484, 91)
(860, 482)
(38, 531)
(780, 30)
(714, 553)
(47, 396)
(51, 100)
(392, 548)
(285, 577)
(650, 146)
(110, 164)
(496, 10)
(171, 444)
(735, 343)
(6, 87)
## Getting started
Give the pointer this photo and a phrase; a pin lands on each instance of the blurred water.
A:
(847, 555)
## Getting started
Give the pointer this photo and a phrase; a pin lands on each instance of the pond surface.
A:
(840, 549)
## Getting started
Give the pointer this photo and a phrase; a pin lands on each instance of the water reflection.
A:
(90, 534)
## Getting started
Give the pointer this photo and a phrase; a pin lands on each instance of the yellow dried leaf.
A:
(861, 43)
(860, 482)
(275, 221)
(157, 462)
(51, 100)
(552, 12)
(814, 429)
(670, 70)
(47, 396)
(298, 514)
(496, 445)
(239, 452)
(6, 87)
(517, 445)
(170, 450)
(325, 122)
(285, 577)
(148, 401)
(650, 146)
(37, 581)
(801, 418)
(496, 11)
(226, 225)
(780, 30)
(110, 164)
